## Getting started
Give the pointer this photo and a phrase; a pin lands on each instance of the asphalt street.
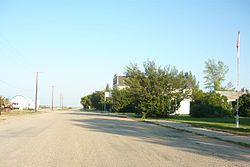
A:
(75, 138)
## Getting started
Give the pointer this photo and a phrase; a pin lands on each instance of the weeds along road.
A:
(74, 138)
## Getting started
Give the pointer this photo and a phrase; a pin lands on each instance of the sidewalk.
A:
(237, 139)
(242, 140)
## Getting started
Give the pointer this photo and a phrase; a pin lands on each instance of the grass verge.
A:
(220, 124)
(20, 112)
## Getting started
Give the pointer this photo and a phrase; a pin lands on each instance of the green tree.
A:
(5, 102)
(97, 100)
(244, 105)
(85, 101)
(107, 88)
(209, 104)
(153, 89)
(215, 72)
(122, 101)
(229, 86)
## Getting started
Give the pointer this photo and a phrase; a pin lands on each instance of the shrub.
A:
(244, 105)
(122, 101)
(210, 105)
(152, 88)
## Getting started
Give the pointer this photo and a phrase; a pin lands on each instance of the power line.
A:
(13, 86)
(15, 53)
(10, 44)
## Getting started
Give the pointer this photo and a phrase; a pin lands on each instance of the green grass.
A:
(221, 124)
(20, 112)
(130, 114)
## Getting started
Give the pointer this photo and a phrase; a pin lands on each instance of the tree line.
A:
(157, 91)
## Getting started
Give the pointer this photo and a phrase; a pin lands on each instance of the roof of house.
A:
(18, 97)
(231, 95)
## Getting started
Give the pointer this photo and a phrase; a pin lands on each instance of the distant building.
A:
(22, 102)
(119, 82)
(231, 95)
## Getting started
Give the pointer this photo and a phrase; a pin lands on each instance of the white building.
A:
(22, 102)
(119, 82)
(231, 95)
(184, 107)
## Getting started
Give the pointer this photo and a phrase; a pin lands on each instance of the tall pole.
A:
(36, 91)
(52, 100)
(104, 103)
(61, 100)
(238, 79)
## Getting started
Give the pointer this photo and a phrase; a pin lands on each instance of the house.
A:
(231, 95)
(184, 107)
(119, 82)
(22, 102)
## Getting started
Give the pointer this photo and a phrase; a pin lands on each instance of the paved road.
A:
(73, 138)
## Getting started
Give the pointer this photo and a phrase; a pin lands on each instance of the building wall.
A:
(184, 107)
(21, 102)
(119, 82)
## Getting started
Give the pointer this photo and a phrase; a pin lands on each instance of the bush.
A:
(210, 105)
(244, 105)
(97, 100)
(152, 88)
(122, 101)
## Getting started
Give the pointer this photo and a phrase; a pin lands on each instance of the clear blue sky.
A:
(80, 45)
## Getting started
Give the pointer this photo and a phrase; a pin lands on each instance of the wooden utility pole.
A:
(52, 101)
(36, 91)
(61, 100)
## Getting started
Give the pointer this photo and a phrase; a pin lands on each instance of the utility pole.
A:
(238, 79)
(104, 104)
(36, 91)
(61, 100)
(52, 100)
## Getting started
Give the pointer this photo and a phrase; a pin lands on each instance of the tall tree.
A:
(107, 88)
(215, 72)
(122, 100)
(153, 89)
(244, 103)
(85, 101)
(97, 100)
